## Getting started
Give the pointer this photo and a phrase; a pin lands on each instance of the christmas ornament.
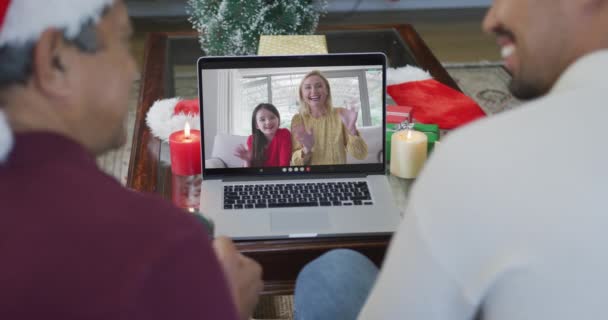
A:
(233, 27)
(170, 115)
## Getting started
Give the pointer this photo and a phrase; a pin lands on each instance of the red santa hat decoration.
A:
(170, 115)
(431, 101)
(23, 21)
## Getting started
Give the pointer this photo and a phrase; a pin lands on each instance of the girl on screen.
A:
(268, 145)
(323, 135)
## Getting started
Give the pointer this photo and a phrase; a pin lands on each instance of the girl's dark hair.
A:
(259, 139)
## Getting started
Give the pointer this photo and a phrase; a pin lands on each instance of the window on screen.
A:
(361, 88)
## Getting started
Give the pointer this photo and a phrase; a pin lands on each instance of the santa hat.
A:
(23, 21)
(169, 115)
(431, 101)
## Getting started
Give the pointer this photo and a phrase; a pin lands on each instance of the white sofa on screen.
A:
(222, 155)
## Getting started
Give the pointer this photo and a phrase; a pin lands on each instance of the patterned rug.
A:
(486, 83)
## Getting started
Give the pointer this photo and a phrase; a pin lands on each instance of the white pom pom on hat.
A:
(406, 74)
(170, 115)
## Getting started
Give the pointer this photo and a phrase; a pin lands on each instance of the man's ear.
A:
(49, 70)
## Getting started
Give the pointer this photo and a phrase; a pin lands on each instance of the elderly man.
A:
(74, 244)
(508, 219)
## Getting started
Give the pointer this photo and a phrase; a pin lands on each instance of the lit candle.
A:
(408, 153)
(185, 147)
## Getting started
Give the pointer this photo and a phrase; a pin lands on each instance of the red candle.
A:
(185, 147)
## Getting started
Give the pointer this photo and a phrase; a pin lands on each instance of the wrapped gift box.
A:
(430, 130)
(294, 44)
(398, 114)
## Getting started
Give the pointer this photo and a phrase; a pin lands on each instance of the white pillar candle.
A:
(408, 153)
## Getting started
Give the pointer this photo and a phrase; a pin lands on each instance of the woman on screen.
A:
(322, 134)
(268, 145)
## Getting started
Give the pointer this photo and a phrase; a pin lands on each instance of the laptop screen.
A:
(292, 115)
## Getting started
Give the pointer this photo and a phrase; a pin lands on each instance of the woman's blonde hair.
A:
(304, 107)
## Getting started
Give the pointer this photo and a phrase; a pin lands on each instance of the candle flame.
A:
(187, 130)
(409, 134)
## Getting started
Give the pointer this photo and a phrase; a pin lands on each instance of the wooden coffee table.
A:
(170, 58)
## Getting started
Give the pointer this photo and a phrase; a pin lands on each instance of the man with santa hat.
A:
(75, 244)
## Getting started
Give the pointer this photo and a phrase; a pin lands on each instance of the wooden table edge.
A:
(143, 168)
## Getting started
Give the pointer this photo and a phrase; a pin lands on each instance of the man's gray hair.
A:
(16, 60)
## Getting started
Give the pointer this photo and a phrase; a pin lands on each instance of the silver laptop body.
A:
(238, 199)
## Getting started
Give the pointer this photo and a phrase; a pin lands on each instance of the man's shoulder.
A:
(94, 202)
(517, 128)
(110, 238)
(488, 159)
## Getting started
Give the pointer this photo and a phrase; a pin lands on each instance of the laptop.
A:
(293, 196)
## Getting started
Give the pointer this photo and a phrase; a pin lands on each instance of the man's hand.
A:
(305, 137)
(243, 274)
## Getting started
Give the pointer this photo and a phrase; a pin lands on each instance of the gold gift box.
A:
(290, 45)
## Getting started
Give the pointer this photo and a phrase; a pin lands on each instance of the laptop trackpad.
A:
(299, 222)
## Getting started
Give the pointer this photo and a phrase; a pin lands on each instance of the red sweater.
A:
(278, 153)
(75, 244)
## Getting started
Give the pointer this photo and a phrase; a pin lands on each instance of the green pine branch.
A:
(233, 27)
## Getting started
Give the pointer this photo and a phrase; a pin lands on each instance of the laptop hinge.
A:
(299, 177)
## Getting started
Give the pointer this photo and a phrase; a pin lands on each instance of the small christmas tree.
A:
(233, 27)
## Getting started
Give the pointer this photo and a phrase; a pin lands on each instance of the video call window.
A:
(230, 97)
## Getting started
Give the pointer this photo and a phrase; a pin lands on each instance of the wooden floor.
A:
(453, 35)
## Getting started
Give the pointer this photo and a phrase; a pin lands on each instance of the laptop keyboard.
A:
(289, 195)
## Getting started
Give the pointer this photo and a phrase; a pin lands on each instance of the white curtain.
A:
(228, 93)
